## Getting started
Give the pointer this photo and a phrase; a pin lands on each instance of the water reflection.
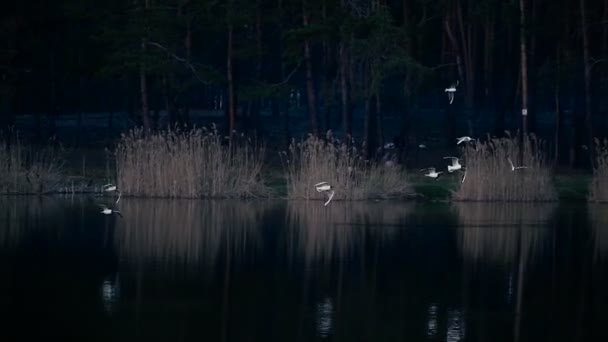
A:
(499, 232)
(456, 326)
(22, 216)
(598, 216)
(110, 293)
(319, 233)
(358, 271)
(431, 323)
(324, 317)
(188, 232)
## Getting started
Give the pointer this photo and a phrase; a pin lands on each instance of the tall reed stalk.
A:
(189, 164)
(27, 169)
(315, 160)
(489, 176)
(599, 183)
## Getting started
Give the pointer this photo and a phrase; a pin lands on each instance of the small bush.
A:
(317, 160)
(489, 176)
(599, 183)
(191, 164)
(28, 169)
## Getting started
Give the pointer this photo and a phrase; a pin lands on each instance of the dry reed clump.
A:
(315, 160)
(191, 164)
(489, 176)
(599, 183)
(27, 169)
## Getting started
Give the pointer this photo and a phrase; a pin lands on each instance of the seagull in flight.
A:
(455, 164)
(112, 188)
(109, 187)
(108, 211)
(464, 175)
(451, 90)
(513, 167)
(466, 138)
(432, 173)
(327, 189)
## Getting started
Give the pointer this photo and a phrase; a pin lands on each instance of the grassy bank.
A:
(202, 163)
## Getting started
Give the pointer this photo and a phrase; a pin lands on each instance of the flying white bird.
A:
(455, 164)
(451, 90)
(466, 138)
(109, 187)
(432, 173)
(327, 189)
(112, 188)
(108, 211)
(513, 167)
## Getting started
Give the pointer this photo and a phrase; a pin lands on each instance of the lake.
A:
(226, 270)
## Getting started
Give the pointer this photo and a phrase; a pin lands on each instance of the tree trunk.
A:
(257, 102)
(143, 83)
(587, 66)
(464, 71)
(310, 87)
(557, 107)
(281, 102)
(379, 120)
(53, 101)
(524, 68)
(488, 64)
(344, 95)
(467, 35)
(230, 106)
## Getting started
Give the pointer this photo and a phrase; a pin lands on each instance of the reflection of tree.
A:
(504, 233)
(497, 231)
(598, 216)
(187, 231)
(336, 231)
(22, 215)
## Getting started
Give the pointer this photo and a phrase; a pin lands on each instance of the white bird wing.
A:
(321, 183)
(330, 196)
(511, 163)
(451, 97)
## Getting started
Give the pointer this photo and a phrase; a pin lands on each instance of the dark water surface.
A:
(187, 270)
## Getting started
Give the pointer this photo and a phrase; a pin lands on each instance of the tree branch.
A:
(179, 59)
(291, 73)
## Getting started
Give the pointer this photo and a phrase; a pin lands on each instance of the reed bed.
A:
(498, 232)
(195, 163)
(598, 191)
(315, 160)
(27, 169)
(489, 176)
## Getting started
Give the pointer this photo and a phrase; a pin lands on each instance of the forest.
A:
(351, 63)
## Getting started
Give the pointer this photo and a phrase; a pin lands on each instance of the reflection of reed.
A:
(324, 233)
(21, 215)
(492, 231)
(187, 231)
(598, 216)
